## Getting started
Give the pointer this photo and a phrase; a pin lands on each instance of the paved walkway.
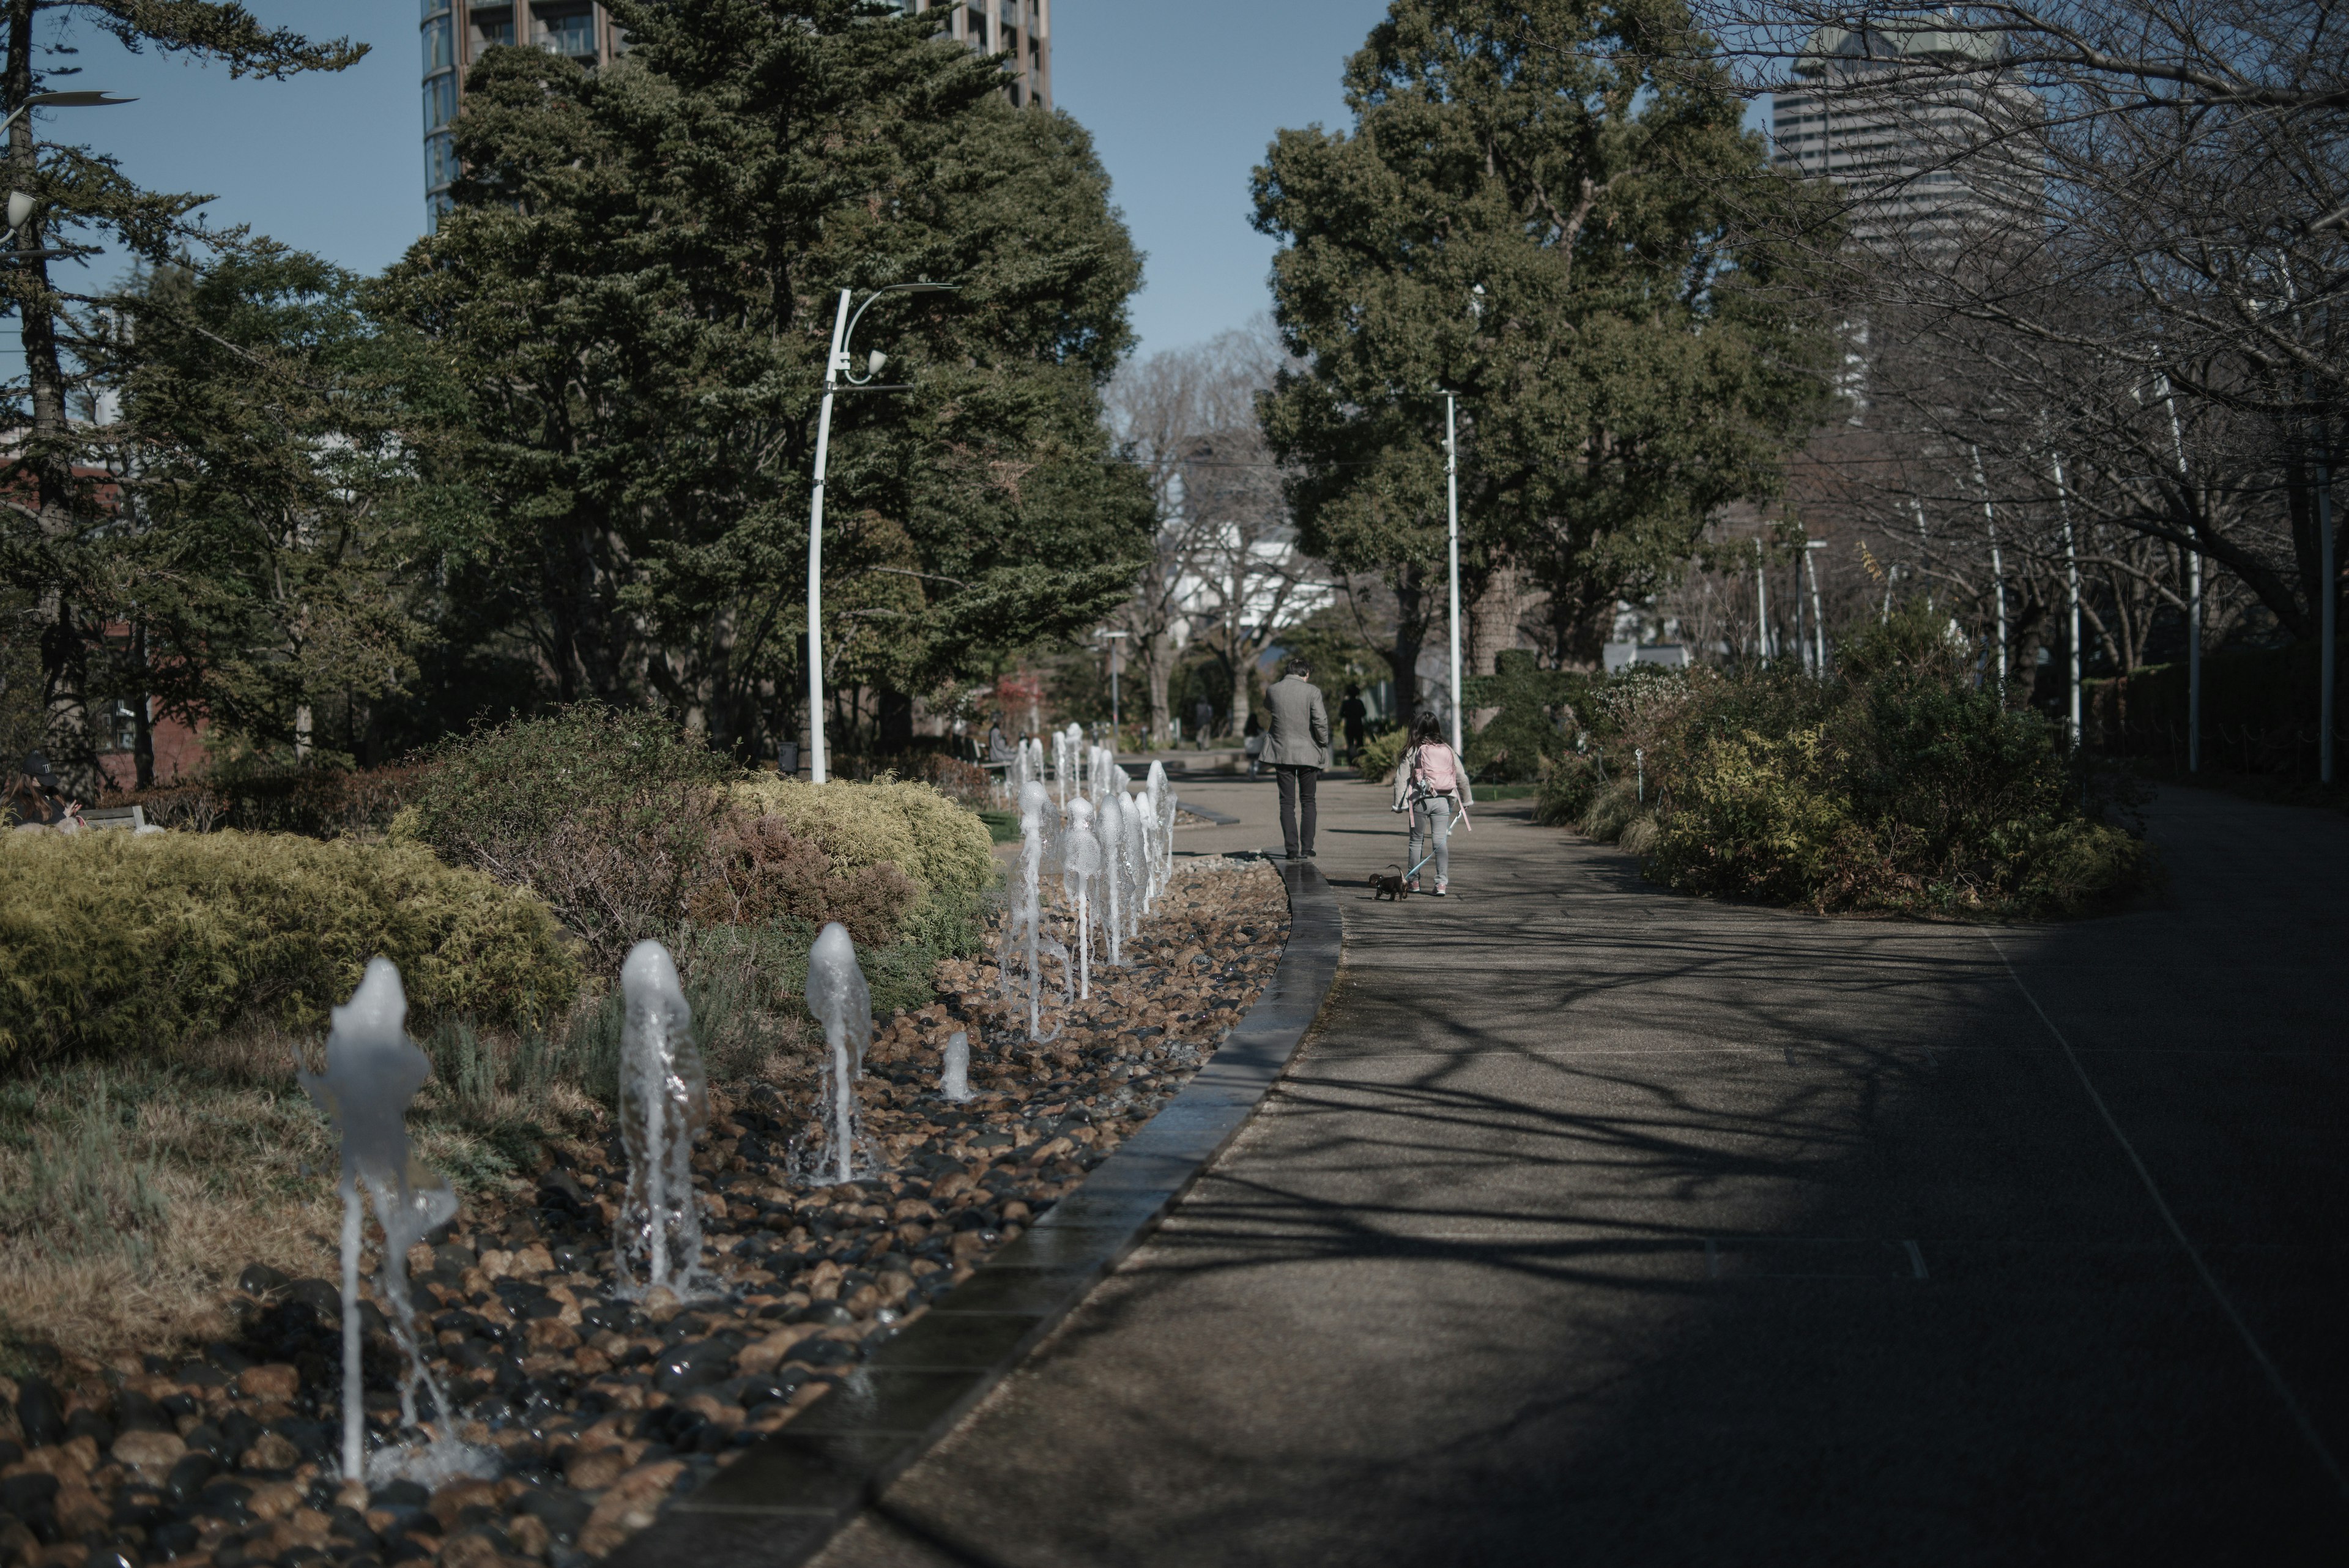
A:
(1599, 1225)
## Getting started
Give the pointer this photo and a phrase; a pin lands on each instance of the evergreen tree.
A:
(1547, 209)
(56, 544)
(261, 536)
(637, 288)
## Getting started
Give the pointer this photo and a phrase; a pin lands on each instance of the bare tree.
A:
(2107, 239)
(1224, 562)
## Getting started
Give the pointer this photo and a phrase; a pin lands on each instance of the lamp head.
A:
(20, 207)
(77, 99)
(873, 361)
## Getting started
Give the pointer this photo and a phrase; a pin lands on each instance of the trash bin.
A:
(787, 757)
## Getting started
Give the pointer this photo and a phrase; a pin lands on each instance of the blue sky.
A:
(1180, 101)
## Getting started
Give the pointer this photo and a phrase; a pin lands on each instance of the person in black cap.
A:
(38, 798)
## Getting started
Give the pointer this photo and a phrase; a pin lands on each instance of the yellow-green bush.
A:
(941, 846)
(1751, 817)
(1382, 754)
(2084, 868)
(113, 943)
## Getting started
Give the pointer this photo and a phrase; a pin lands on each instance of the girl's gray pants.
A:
(1432, 815)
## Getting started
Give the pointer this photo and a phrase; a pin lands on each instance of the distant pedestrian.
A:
(999, 747)
(1298, 749)
(1351, 715)
(37, 799)
(1203, 722)
(1433, 786)
(1252, 742)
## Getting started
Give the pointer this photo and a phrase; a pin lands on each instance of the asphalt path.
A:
(1598, 1224)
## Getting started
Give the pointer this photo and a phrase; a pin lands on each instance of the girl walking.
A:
(1433, 786)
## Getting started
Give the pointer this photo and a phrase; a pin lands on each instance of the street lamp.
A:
(75, 100)
(837, 366)
(20, 206)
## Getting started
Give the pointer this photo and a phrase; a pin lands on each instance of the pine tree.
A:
(56, 545)
(264, 485)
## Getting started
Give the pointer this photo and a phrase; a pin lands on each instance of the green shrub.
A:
(321, 802)
(2085, 868)
(1566, 787)
(606, 816)
(1525, 731)
(941, 846)
(1895, 785)
(1751, 818)
(114, 943)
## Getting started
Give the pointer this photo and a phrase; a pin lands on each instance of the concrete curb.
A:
(778, 1505)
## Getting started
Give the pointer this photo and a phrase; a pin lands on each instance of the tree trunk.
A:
(65, 655)
(1157, 673)
(895, 721)
(1411, 627)
(1493, 617)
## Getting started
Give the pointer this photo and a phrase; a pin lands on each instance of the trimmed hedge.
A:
(113, 943)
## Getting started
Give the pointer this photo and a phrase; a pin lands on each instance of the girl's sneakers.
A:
(1412, 885)
(1440, 890)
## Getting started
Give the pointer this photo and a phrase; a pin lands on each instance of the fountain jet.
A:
(664, 1105)
(373, 1071)
(843, 1003)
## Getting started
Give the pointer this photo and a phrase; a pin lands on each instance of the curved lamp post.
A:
(835, 367)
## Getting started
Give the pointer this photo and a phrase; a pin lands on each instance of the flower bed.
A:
(601, 1406)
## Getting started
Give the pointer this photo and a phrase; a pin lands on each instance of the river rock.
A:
(150, 1453)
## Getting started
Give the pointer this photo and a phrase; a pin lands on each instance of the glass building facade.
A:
(454, 33)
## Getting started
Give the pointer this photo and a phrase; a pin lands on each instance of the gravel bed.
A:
(601, 1408)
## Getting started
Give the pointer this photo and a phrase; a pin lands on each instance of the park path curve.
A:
(1598, 1224)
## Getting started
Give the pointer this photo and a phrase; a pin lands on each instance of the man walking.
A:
(1203, 722)
(1298, 748)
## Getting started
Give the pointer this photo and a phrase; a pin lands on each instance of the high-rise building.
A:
(1020, 28)
(1908, 121)
(457, 31)
(455, 34)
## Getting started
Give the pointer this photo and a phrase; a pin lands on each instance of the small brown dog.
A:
(1395, 887)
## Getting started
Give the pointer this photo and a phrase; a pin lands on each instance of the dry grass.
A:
(133, 1195)
(128, 1198)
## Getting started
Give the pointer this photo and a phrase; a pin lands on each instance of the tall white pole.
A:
(1761, 605)
(2072, 594)
(1818, 615)
(832, 365)
(1997, 573)
(1452, 487)
(2193, 600)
